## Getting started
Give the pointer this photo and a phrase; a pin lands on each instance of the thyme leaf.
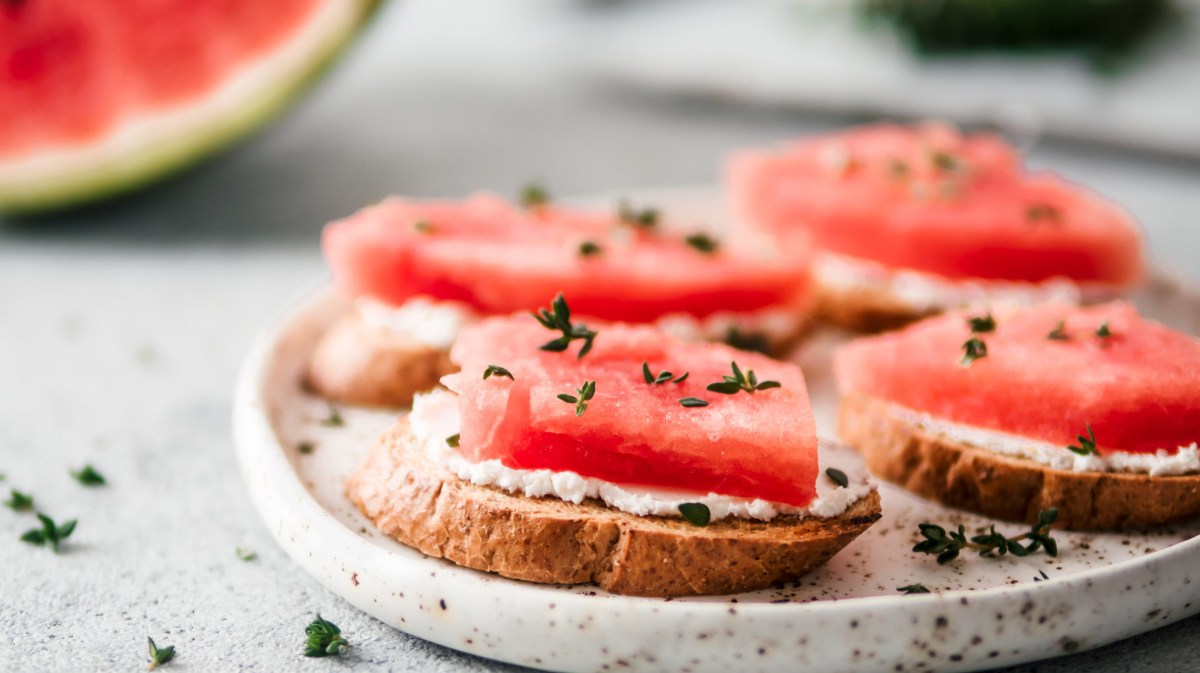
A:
(696, 513)
(1103, 331)
(973, 349)
(590, 249)
(18, 501)
(559, 319)
(534, 195)
(452, 441)
(159, 655)
(702, 242)
(1059, 333)
(88, 476)
(982, 324)
(914, 589)
(837, 476)
(324, 639)
(497, 371)
(639, 218)
(692, 402)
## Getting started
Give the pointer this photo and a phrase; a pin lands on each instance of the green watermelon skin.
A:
(633, 433)
(101, 99)
(498, 258)
(930, 199)
(1139, 389)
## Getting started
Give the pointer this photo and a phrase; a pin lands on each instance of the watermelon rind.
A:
(105, 169)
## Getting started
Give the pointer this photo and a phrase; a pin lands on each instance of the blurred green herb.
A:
(50, 534)
(18, 501)
(88, 476)
(323, 639)
(159, 655)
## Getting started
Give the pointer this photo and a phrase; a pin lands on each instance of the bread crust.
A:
(1006, 487)
(356, 362)
(425, 506)
(867, 310)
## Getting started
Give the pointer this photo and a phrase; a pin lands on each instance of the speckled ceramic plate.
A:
(847, 615)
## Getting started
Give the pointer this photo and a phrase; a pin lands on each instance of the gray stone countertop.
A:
(122, 328)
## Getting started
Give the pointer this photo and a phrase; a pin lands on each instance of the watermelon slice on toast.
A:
(1092, 411)
(670, 432)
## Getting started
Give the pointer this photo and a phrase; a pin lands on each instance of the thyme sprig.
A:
(559, 319)
(324, 639)
(159, 655)
(739, 381)
(50, 534)
(640, 218)
(18, 501)
(497, 371)
(947, 544)
(581, 398)
(1087, 445)
(88, 476)
(662, 376)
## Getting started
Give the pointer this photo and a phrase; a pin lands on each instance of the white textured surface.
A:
(121, 330)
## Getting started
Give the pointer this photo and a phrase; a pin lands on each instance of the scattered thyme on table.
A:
(946, 545)
(18, 501)
(159, 655)
(50, 534)
(324, 639)
(88, 476)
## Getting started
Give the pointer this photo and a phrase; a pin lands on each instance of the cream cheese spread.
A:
(1183, 460)
(435, 417)
(923, 292)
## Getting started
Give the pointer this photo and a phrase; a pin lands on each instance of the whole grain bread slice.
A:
(360, 363)
(865, 309)
(1004, 487)
(424, 505)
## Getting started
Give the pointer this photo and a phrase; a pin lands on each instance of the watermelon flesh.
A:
(1138, 389)
(498, 259)
(632, 433)
(930, 199)
(75, 70)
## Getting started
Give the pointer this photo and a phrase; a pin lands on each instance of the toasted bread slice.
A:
(357, 362)
(1005, 487)
(425, 506)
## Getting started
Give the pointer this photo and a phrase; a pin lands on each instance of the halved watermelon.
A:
(1138, 388)
(499, 259)
(760, 445)
(97, 98)
(930, 199)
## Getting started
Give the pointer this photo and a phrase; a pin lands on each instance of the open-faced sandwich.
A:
(631, 459)
(911, 221)
(1094, 411)
(418, 271)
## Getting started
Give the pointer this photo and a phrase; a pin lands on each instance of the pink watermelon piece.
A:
(760, 445)
(499, 259)
(76, 70)
(1138, 389)
(930, 199)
